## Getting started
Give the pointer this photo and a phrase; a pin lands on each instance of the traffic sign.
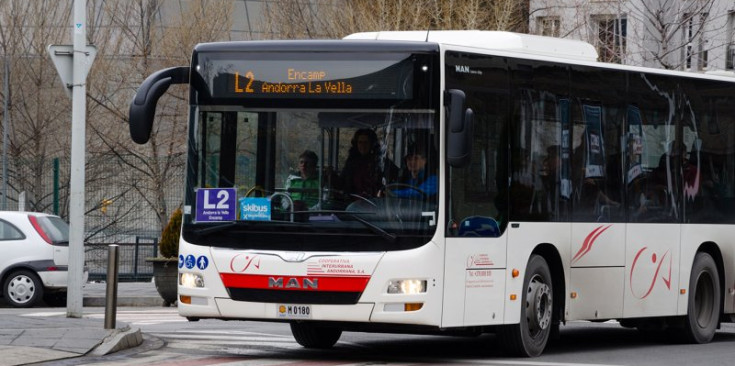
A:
(62, 56)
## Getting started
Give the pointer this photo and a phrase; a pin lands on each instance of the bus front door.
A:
(474, 273)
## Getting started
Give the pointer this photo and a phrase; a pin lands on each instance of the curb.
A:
(119, 340)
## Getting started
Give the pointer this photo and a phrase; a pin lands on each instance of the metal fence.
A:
(120, 203)
(132, 260)
(119, 206)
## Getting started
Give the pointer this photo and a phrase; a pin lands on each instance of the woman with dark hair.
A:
(416, 181)
(366, 168)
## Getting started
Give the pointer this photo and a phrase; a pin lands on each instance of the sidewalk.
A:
(128, 294)
(46, 337)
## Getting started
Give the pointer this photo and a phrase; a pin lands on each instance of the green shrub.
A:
(169, 245)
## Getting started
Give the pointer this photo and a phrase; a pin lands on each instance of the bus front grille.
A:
(294, 296)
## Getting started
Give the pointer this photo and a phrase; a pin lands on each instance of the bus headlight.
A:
(191, 280)
(408, 287)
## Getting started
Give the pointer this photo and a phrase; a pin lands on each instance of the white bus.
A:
(451, 181)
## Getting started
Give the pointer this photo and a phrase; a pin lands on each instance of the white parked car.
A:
(34, 253)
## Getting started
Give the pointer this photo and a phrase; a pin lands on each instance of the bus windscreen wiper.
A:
(353, 215)
(213, 229)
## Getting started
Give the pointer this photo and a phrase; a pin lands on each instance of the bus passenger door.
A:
(477, 195)
(474, 274)
(475, 251)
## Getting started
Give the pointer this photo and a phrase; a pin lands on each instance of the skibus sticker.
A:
(255, 209)
(216, 204)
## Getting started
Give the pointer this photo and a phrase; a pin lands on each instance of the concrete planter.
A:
(166, 278)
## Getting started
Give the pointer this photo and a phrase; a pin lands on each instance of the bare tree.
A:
(294, 19)
(670, 34)
(38, 104)
(135, 44)
(673, 31)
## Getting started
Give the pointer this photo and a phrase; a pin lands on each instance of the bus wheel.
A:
(313, 336)
(704, 300)
(528, 339)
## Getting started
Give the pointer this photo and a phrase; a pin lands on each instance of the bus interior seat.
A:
(479, 226)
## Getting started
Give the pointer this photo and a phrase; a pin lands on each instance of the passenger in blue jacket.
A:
(416, 174)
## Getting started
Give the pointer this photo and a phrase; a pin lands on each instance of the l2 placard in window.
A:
(216, 204)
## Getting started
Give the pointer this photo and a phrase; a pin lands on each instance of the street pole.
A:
(74, 305)
(6, 123)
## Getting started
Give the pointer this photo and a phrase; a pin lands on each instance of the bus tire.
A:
(313, 336)
(529, 337)
(703, 311)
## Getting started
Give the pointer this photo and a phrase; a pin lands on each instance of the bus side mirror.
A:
(143, 106)
(459, 136)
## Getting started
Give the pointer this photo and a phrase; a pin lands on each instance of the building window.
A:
(610, 33)
(730, 45)
(695, 53)
(548, 26)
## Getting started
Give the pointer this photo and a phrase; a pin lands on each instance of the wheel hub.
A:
(538, 306)
(21, 289)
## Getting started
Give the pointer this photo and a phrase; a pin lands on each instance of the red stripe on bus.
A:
(311, 283)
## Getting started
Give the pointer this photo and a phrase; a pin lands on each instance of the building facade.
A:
(688, 35)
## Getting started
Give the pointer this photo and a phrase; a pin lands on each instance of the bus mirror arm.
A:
(460, 121)
(143, 106)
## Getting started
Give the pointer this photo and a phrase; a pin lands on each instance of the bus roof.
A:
(309, 45)
(494, 40)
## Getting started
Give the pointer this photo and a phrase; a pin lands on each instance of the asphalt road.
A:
(170, 339)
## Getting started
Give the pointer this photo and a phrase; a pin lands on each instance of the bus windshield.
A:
(310, 179)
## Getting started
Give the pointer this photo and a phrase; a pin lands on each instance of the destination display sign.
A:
(287, 76)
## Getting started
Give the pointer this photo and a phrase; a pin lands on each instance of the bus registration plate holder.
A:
(294, 311)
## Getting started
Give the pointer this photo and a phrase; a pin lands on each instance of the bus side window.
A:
(539, 154)
(598, 118)
(652, 191)
(708, 174)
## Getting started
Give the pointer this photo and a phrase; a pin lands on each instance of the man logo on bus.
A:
(293, 283)
(462, 68)
(655, 260)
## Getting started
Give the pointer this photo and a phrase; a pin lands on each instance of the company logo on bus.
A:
(241, 262)
(588, 242)
(658, 262)
(293, 283)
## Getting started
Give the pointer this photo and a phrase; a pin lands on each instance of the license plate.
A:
(291, 311)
